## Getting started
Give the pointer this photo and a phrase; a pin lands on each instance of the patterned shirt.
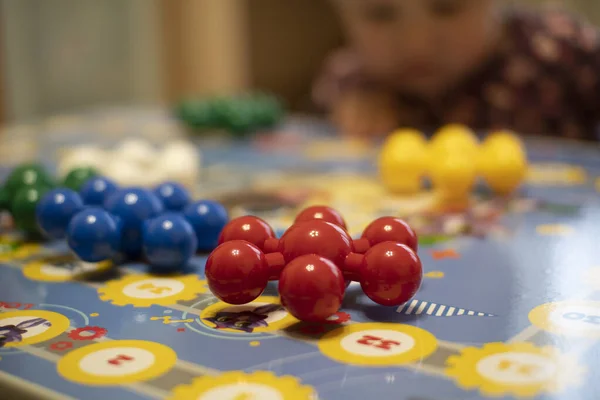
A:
(543, 80)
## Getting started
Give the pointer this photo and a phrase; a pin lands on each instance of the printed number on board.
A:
(15, 305)
(120, 359)
(378, 342)
(591, 319)
(153, 288)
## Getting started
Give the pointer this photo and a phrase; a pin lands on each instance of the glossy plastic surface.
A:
(311, 288)
(94, 235)
(249, 228)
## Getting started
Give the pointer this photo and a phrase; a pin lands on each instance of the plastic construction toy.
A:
(239, 115)
(314, 261)
(104, 222)
(453, 160)
(26, 185)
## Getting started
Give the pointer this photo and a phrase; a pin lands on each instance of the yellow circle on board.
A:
(46, 270)
(578, 318)
(517, 369)
(556, 174)
(377, 344)
(117, 362)
(554, 230)
(20, 252)
(147, 290)
(237, 318)
(36, 334)
(237, 385)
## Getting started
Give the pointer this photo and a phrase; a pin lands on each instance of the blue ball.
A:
(133, 206)
(55, 210)
(169, 242)
(94, 235)
(95, 191)
(208, 219)
(173, 196)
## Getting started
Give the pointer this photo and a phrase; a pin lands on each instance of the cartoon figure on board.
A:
(14, 333)
(245, 321)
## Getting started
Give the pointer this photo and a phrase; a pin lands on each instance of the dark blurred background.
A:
(58, 56)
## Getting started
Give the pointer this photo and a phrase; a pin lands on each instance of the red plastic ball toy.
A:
(237, 272)
(311, 288)
(391, 273)
(390, 229)
(324, 213)
(248, 228)
(316, 237)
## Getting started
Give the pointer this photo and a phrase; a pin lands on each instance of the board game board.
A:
(509, 306)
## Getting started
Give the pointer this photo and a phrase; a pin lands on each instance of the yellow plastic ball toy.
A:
(503, 162)
(403, 161)
(453, 177)
(504, 138)
(454, 138)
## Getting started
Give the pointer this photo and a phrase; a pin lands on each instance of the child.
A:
(425, 63)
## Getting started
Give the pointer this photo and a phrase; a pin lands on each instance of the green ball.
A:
(77, 177)
(198, 114)
(23, 208)
(239, 118)
(268, 110)
(221, 108)
(26, 175)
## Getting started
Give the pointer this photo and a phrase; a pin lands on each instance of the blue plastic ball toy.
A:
(55, 210)
(96, 190)
(208, 218)
(94, 235)
(169, 242)
(133, 206)
(173, 196)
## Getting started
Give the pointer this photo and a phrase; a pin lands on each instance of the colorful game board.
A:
(509, 307)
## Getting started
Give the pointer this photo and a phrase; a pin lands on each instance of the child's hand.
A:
(365, 113)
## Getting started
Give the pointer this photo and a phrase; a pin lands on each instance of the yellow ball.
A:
(503, 163)
(452, 139)
(454, 175)
(504, 138)
(405, 135)
(403, 162)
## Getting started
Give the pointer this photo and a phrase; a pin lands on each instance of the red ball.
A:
(390, 229)
(311, 288)
(316, 237)
(249, 228)
(391, 273)
(237, 272)
(324, 213)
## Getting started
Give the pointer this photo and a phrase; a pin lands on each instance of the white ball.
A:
(83, 156)
(180, 161)
(123, 172)
(137, 151)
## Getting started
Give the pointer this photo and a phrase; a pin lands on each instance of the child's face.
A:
(421, 46)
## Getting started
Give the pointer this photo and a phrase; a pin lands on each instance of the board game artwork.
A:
(311, 274)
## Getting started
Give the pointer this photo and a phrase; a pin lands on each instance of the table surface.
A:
(509, 306)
